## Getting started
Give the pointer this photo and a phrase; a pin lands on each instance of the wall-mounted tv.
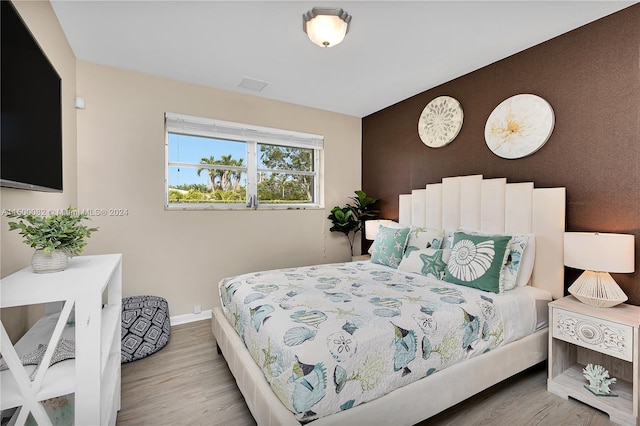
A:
(30, 110)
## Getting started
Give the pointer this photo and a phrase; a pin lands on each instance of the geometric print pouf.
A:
(146, 326)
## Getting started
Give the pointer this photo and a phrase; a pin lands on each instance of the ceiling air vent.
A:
(253, 84)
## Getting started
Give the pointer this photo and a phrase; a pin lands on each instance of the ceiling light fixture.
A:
(326, 27)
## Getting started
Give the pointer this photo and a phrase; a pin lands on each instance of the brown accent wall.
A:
(591, 78)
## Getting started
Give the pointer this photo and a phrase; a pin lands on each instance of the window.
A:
(214, 164)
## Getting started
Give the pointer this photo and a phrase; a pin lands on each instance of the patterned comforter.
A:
(330, 337)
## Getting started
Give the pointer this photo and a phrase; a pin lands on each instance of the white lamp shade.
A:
(592, 251)
(371, 227)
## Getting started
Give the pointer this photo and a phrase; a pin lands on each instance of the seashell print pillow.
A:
(478, 261)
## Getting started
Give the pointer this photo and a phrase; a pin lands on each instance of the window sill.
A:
(200, 207)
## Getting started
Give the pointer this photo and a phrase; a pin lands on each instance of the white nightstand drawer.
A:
(604, 336)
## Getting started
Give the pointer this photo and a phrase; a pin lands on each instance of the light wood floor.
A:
(188, 383)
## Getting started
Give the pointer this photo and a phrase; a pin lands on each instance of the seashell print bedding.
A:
(330, 337)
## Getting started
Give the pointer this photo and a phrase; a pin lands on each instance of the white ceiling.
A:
(394, 49)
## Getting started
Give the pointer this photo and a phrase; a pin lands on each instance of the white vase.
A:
(44, 263)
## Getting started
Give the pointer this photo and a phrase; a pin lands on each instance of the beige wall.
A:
(181, 255)
(42, 22)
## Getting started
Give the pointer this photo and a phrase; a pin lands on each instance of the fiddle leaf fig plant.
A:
(64, 231)
(349, 219)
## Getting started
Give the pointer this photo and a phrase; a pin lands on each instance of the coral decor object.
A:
(599, 380)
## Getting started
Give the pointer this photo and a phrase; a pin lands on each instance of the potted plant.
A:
(349, 219)
(55, 237)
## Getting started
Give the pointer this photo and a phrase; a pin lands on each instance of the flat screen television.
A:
(30, 110)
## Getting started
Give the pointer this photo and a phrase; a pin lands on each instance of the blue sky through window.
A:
(191, 149)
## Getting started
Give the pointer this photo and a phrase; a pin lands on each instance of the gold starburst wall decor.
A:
(440, 121)
(519, 126)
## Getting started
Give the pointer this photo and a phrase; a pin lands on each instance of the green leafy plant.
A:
(349, 219)
(64, 231)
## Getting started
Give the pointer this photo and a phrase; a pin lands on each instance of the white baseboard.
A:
(186, 318)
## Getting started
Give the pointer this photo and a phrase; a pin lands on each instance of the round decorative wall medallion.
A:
(440, 121)
(519, 126)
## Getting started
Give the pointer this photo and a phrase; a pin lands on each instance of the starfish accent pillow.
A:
(429, 262)
(388, 247)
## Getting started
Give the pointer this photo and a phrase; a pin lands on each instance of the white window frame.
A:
(252, 136)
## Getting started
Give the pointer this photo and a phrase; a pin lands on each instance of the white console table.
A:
(93, 285)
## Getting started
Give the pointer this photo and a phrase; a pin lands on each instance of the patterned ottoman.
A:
(145, 326)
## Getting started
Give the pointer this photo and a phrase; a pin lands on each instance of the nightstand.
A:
(360, 257)
(581, 334)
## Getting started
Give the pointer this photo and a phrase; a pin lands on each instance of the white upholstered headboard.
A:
(493, 205)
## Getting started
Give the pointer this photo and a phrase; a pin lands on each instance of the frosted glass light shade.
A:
(326, 27)
(598, 254)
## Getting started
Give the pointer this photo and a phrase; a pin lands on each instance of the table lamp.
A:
(371, 227)
(598, 254)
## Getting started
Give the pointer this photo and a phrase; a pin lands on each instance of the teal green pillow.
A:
(388, 247)
(477, 261)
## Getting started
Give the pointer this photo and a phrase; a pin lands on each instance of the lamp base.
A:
(597, 289)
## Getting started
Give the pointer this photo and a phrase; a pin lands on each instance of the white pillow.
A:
(447, 241)
(430, 262)
(424, 238)
(527, 262)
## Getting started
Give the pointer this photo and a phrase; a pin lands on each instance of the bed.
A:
(470, 203)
